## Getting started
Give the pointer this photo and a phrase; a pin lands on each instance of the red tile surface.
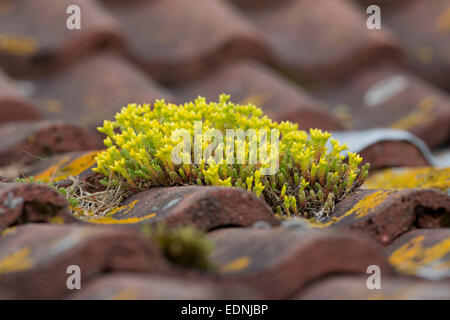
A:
(34, 258)
(279, 262)
(34, 37)
(13, 105)
(27, 141)
(176, 44)
(22, 203)
(392, 288)
(205, 207)
(95, 89)
(252, 82)
(386, 96)
(387, 214)
(307, 36)
(140, 287)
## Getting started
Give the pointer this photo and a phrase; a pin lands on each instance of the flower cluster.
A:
(312, 173)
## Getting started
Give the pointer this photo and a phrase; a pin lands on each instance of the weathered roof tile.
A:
(31, 202)
(205, 207)
(253, 82)
(279, 262)
(35, 37)
(25, 141)
(34, 258)
(121, 286)
(95, 89)
(176, 40)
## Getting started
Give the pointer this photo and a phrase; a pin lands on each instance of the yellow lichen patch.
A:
(62, 170)
(57, 220)
(16, 261)
(124, 294)
(111, 220)
(420, 116)
(425, 177)
(19, 46)
(412, 257)
(53, 106)
(235, 265)
(425, 54)
(443, 21)
(123, 209)
(8, 231)
(364, 207)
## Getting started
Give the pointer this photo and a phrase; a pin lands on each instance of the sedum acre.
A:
(310, 175)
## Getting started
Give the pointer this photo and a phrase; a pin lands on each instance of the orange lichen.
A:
(413, 257)
(19, 46)
(425, 177)
(235, 265)
(364, 207)
(62, 169)
(443, 21)
(111, 220)
(7, 231)
(124, 294)
(16, 261)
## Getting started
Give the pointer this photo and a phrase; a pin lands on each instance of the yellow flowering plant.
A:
(312, 173)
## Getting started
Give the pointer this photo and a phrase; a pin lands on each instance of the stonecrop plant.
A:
(312, 171)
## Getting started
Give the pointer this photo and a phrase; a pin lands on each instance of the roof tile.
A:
(253, 82)
(392, 288)
(306, 38)
(34, 258)
(387, 96)
(425, 43)
(95, 89)
(387, 214)
(29, 140)
(176, 44)
(31, 202)
(279, 262)
(205, 207)
(13, 105)
(142, 287)
(44, 41)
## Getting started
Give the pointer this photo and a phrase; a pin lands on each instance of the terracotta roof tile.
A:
(205, 207)
(387, 214)
(30, 140)
(44, 42)
(253, 82)
(306, 38)
(280, 262)
(34, 258)
(426, 43)
(392, 288)
(22, 203)
(384, 148)
(132, 286)
(13, 105)
(424, 253)
(176, 40)
(387, 96)
(94, 90)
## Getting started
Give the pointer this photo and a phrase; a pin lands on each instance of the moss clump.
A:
(184, 246)
(310, 178)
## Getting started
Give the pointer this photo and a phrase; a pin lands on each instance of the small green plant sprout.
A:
(311, 175)
(184, 246)
(63, 191)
